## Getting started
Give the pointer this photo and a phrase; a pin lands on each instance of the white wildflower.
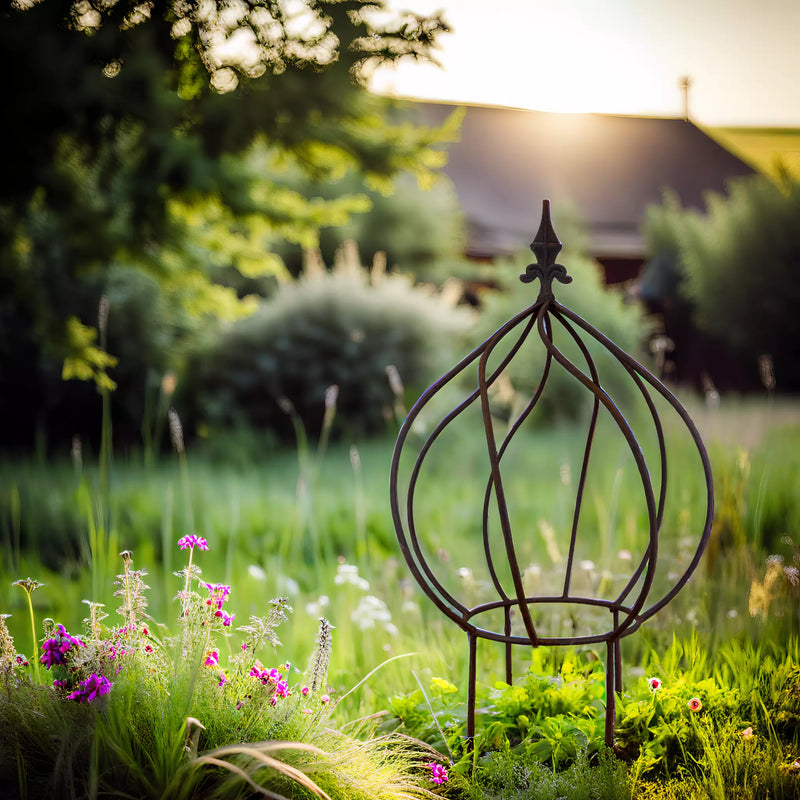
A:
(348, 574)
(371, 612)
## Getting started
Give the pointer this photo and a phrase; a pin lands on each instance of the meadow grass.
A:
(315, 527)
(280, 530)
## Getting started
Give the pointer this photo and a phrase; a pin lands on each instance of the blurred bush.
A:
(342, 328)
(419, 229)
(588, 297)
(142, 331)
(733, 272)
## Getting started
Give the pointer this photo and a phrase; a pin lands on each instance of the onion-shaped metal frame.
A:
(629, 609)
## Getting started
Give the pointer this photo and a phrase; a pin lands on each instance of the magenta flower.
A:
(94, 686)
(438, 772)
(222, 679)
(219, 593)
(227, 619)
(57, 647)
(212, 659)
(274, 676)
(282, 689)
(191, 541)
(305, 690)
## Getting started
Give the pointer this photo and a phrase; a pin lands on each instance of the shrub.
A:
(142, 334)
(342, 328)
(421, 230)
(735, 265)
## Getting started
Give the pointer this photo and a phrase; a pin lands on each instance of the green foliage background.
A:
(733, 270)
(342, 328)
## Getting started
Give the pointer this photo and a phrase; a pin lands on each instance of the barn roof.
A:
(607, 168)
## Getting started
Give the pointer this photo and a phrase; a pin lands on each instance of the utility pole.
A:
(684, 84)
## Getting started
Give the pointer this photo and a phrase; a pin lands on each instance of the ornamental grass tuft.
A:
(148, 710)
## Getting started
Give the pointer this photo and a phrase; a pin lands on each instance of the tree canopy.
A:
(731, 272)
(155, 136)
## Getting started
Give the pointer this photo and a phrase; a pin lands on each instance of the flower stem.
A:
(188, 580)
(35, 655)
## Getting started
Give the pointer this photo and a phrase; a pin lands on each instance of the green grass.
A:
(272, 537)
(277, 527)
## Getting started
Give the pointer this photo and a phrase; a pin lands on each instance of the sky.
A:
(615, 57)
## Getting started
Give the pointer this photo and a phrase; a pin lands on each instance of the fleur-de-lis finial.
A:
(546, 247)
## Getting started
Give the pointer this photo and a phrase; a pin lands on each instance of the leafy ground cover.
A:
(312, 525)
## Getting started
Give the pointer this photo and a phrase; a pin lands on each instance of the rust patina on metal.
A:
(628, 609)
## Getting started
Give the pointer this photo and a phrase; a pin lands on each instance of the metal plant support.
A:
(514, 605)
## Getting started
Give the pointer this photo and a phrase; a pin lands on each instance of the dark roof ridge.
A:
(502, 107)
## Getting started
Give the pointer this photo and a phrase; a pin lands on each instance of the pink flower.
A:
(219, 592)
(748, 734)
(325, 699)
(212, 659)
(694, 704)
(273, 676)
(654, 683)
(191, 541)
(305, 690)
(282, 689)
(227, 619)
(438, 772)
(222, 679)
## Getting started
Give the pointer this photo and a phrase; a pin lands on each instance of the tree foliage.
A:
(156, 136)
(736, 267)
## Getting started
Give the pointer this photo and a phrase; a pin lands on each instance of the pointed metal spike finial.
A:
(546, 247)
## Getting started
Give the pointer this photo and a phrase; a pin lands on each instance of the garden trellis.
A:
(512, 618)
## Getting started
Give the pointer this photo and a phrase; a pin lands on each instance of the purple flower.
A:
(438, 772)
(57, 647)
(94, 686)
(191, 541)
(227, 619)
(219, 593)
